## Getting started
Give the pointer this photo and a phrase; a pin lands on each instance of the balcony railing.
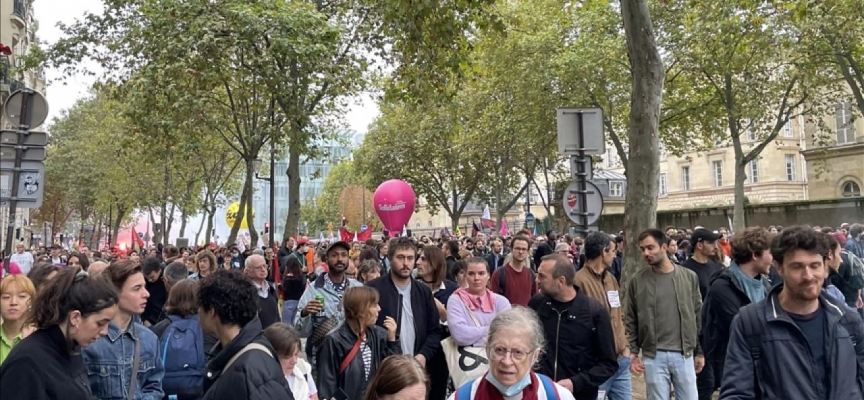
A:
(19, 9)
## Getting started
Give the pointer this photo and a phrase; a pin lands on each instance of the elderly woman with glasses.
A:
(514, 345)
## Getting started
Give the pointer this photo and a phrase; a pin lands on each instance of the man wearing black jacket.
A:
(409, 303)
(243, 365)
(580, 349)
(744, 282)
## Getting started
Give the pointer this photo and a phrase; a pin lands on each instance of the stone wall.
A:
(831, 212)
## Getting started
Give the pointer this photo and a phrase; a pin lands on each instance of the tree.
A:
(748, 58)
(643, 134)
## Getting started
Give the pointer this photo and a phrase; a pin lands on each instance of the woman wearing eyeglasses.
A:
(514, 345)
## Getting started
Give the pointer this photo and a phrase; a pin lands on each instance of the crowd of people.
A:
(762, 313)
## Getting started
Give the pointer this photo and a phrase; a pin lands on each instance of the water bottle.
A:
(172, 397)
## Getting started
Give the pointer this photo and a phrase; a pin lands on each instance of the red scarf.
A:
(486, 391)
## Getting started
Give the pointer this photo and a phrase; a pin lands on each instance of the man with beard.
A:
(409, 303)
(704, 244)
(330, 286)
(496, 258)
(662, 319)
(515, 280)
(797, 343)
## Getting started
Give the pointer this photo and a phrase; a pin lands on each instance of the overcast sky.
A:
(62, 95)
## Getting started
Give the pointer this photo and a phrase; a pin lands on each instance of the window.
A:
(787, 129)
(685, 178)
(612, 160)
(790, 167)
(662, 151)
(851, 189)
(843, 119)
(717, 168)
(616, 189)
(753, 171)
(664, 185)
(749, 133)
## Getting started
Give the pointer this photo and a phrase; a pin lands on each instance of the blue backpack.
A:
(464, 392)
(183, 356)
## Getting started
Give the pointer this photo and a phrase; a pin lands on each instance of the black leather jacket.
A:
(354, 380)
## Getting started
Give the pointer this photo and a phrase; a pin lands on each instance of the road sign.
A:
(30, 138)
(30, 187)
(593, 204)
(591, 130)
(7, 152)
(529, 220)
(38, 108)
(364, 227)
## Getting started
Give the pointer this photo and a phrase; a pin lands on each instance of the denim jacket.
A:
(109, 364)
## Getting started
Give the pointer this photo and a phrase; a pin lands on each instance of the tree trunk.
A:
(250, 220)
(118, 218)
(292, 221)
(210, 215)
(170, 223)
(643, 164)
(200, 228)
(247, 186)
(739, 220)
(183, 222)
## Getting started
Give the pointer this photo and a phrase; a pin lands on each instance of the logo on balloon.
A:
(394, 202)
(233, 212)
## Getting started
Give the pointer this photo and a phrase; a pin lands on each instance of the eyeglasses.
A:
(498, 354)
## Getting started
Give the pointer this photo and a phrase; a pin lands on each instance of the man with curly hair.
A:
(243, 365)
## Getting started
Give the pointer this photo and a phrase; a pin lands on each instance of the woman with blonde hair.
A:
(16, 293)
(350, 355)
(399, 377)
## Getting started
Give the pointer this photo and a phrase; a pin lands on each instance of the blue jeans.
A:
(289, 310)
(619, 386)
(670, 367)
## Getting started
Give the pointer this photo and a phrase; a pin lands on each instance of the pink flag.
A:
(504, 230)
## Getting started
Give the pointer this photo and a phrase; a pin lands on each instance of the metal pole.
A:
(23, 128)
(272, 199)
(110, 225)
(583, 171)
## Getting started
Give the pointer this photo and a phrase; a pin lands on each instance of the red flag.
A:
(137, 243)
(363, 236)
(345, 235)
(474, 229)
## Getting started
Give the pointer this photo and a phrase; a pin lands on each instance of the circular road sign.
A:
(38, 108)
(594, 203)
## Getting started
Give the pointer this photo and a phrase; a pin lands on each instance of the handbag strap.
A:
(245, 349)
(471, 313)
(353, 352)
(133, 383)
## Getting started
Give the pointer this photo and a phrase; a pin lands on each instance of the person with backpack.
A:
(182, 343)
(515, 280)
(580, 341)
(797, 343)
(244, 364)
(849, 277)
(744, 282)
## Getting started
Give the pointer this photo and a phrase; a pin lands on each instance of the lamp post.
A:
(257, 165)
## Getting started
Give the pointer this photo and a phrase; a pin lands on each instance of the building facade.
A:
(836, 156)
(17, 34)
(313, 173)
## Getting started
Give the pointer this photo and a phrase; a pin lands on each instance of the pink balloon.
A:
(394, 203)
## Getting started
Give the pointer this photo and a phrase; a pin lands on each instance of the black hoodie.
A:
(255, 375)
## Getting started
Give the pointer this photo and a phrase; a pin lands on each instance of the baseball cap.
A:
(343, 244)
(703, 235)
(303, 241)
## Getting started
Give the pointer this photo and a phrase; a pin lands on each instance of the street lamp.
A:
(256, 165)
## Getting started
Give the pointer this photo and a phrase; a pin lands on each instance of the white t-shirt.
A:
(24, 261)
(407, 335)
